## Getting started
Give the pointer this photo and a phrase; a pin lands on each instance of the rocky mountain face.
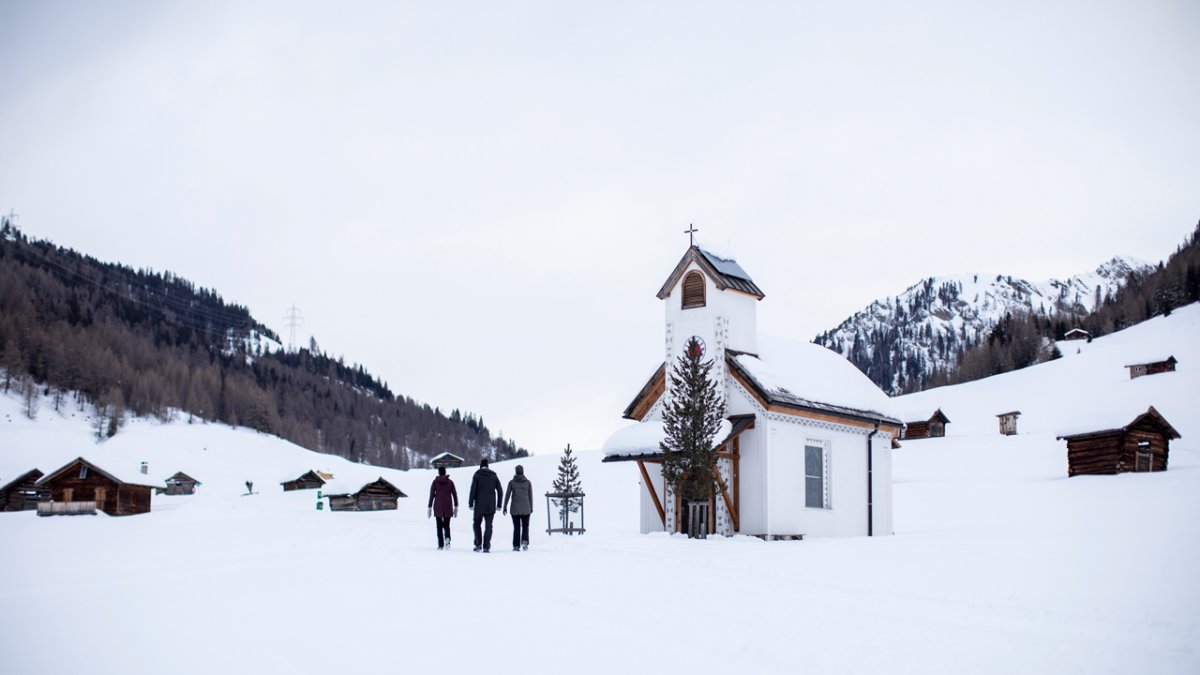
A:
(900, 342)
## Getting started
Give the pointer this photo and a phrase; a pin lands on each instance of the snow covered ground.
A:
(999, 564)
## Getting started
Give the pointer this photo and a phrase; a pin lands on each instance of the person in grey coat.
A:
(520, 494)
(485, 496)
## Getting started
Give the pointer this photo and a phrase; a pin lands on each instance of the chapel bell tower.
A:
(712, 298)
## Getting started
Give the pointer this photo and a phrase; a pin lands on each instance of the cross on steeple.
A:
(691, 233)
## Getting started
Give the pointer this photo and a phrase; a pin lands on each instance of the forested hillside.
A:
(121, 341)
(1022, 339)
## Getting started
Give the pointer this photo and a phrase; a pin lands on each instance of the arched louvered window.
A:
(693, 290)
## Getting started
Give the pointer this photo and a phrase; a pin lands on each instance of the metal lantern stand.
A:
(565, 499)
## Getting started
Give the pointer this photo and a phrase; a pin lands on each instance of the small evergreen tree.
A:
(566, 483)
(568, 476)
(691, 421)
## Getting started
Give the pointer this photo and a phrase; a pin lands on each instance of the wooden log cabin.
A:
(1141, 445)
(1137, 370)
(934, 427)
(82, 481)
(308, 480)
(378, 495)
(1077, 334)
(23, 493)
(179, 484)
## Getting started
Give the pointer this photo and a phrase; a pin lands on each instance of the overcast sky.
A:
(479, 201)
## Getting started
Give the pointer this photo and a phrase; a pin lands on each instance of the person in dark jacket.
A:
(520, 493)
(443, 505)
(486, 494)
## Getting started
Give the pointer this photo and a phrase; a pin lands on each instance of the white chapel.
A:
(806, 450)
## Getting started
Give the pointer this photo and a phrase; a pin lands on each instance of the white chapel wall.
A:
(846, 514)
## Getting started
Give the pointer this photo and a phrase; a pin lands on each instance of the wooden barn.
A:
(308, 480)
(23, 493)
(934, 427)
(1141, 445)
(1137, 370)
(448, 460)
(1077, 334)
(83, 481)
(179, 484)
(1008, 422)
(379, 495)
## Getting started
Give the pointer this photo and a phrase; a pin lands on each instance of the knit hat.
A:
(520, 470)
(483, 463)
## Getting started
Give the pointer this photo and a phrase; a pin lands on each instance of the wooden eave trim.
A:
(733, 514)
(800, 411)
(91, 467)
(648, 395)
(694, 255)
(662, 514)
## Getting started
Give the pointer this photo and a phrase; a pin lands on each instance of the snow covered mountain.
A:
(899, 342)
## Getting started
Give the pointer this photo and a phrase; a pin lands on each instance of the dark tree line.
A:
(126, 341)
(1023, 339)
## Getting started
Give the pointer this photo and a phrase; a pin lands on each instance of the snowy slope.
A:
(920, 329)
(999, 564)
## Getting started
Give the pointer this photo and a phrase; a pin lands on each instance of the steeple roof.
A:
(725, 273)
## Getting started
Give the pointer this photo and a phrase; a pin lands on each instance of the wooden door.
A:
(68, 494)
(101, 493)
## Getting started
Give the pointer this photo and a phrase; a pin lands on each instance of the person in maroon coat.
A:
(443, 504)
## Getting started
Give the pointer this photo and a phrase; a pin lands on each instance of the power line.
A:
(292, 320)
(183, 309)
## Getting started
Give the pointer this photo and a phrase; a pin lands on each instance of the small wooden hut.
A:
(1137, 370)
(308, 480)
(82, 481)
(23, 493)
(448, 460)
(1008, 422)
(179, 484)
(934, 427)
(1077, 334)
(378, 495)
(1141, 445)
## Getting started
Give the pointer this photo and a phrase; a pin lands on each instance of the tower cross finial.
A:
(691, 233)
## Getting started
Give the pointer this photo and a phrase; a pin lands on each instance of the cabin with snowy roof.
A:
(934, 427)
(378, 495)
(1141, 445)
(1077, 334)
(115, 492)
(447, 460)
(23, 493)
(805, 448)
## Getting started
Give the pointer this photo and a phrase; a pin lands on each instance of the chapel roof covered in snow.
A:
(641, 440)
(724, 271)
(792, 374)
(807, 376)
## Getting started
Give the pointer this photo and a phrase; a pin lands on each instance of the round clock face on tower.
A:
(694, 347)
